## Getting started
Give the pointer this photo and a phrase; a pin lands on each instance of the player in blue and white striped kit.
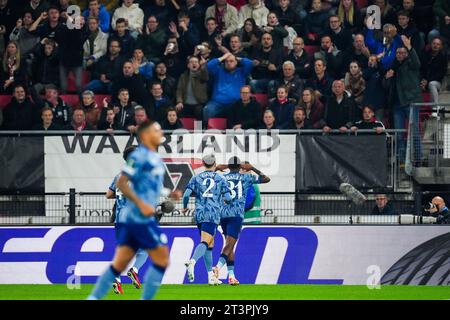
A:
(141, 256)
(232, 214)
(211, 193)
(141, 182)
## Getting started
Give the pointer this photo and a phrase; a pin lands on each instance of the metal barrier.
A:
(428, 143)
(276, 208)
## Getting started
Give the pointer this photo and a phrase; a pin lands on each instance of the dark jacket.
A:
(169, 86)
(433, 67)
(165, 125)
(315, 115)
(342, 40)
(367, 125)
(136, 88)
(158, 110)
(199, 82)
(295, 87)
(122, 119)
(374, 94)
(441, 9)
(315, 22)
(303, 71)
(46, 68)
(127, 43)
(153, 44)
(70, 45)
(340, 115)
(189, 39)
(19, 116)
(111, 68)
(387, 210)
(62, 113)
(273, 56)
(289, 18)
(53, 127)
(248, 115)
(283, 112)
(322, 85)
(306, 125)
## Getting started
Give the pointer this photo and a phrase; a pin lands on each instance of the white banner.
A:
(89, 163)
(353, 255)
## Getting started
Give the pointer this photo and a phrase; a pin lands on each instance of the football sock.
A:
(230, 266)
(222, 261)
(200, 250)
(141, 257)
(208, 259)
(104, 283)
(152, 279)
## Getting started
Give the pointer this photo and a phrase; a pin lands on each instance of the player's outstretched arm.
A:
(110, 194)
(249, 167)
(186, 195)
(122, 184)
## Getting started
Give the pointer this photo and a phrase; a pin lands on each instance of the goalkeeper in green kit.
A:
(252, 213)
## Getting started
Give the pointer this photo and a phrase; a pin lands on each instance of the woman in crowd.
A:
(313, 107)
(355, 83)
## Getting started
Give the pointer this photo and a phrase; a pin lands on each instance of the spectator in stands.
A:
(168, 83)
(384, 49)
(332, 55)
(2, 41)
(45, 68)
(433, 70)
(269, 121)
(374, 94)
(421, 13)
(106, 69)
(132, 81)
(340, 35)
(383, 206)
(229, 74)
(123, 35)
(368, 121)
(70, 46)
(246, 112)
(300, 58)
(133, 16)
(321, 82)
(36, 7)
(403, 82)
(90, 107)
(406, 27)
(96, 45)
(62, 113)
(46, 25)
(289, 80)
(123, 110)
(142, 65)
(387, 12)
(158, 104)
(173, 58)
(276, 30)
(340, 110)
(171, 122)
(226, 17)
(152, 40)
(350, 16)
(441, 9)
(235, 46)
(355, 83)
(315, 23)
(357, 52)
(187, 34)
(238, 4)
(140, 116)
(256, 10)
(20, 113)
(26, 40)
(288, 16)
(164, 11)
(210, 32)
(196, 13)
(99, 11)
(46, 123)
(282, 107)
(13, 71)
(192, 90)
(63, 5)
(109, 124)
(249, 34)
(266, 61)
(78, 122)
(299, 120)
(313, 108)
(8, 17)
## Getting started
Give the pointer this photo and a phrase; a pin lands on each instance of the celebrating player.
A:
(210, 190)
(232, 214)
(140, 229)
(141, 256)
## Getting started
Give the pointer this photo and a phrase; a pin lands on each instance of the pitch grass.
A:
(242, 292)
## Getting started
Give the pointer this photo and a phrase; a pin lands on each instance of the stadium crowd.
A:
(274, 64)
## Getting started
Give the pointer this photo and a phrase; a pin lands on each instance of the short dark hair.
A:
(121, 20)
(183, 14)
(46, 108)
(127, 152)
(404, 13)
(209, 19)
(234, 163)
(144, 126)
(122, 90)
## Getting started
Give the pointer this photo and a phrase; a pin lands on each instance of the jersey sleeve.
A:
(112, 186)
(191, 185)
(224, 190)
(133, 167)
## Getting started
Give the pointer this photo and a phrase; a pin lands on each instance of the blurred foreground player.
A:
(232, 214)
(140, 229)
(141, 256)
(211, 191)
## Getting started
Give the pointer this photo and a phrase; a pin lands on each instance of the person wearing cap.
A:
(211, 193)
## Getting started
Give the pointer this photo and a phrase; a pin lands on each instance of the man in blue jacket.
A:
(228, 74)
(384, 49)
(98, 10)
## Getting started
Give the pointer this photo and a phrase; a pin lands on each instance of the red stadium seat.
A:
(71, 86)
(262, 98)
(71, 99)
(217, 123)
(188, 123)
(4, 100)
(361, 3)
(311, 50)
(99, 99)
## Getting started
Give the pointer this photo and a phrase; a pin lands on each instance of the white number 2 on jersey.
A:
(233, 187)
(210, 184)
